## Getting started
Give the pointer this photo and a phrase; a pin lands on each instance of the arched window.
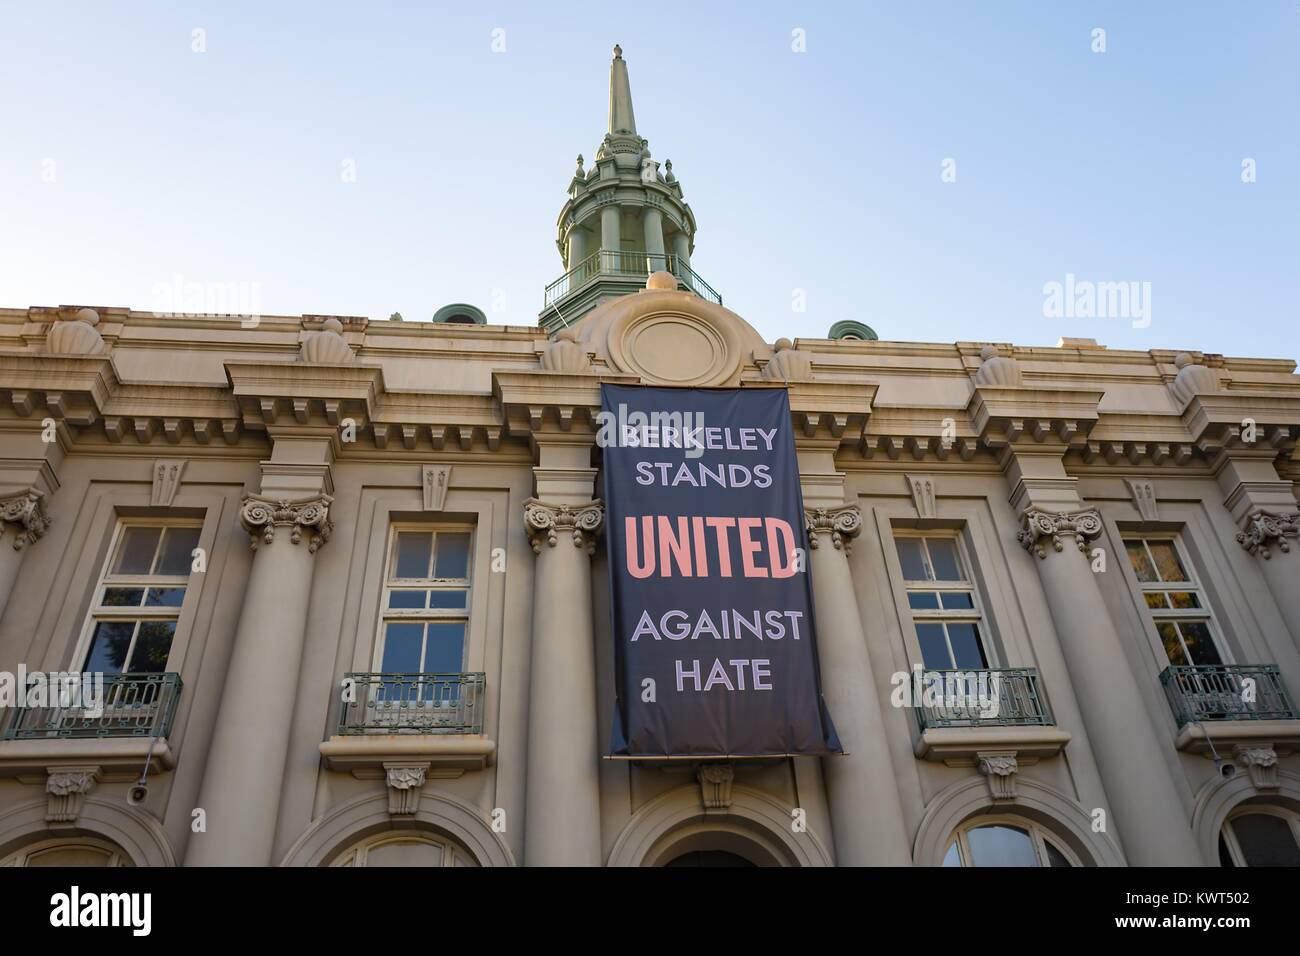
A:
(1006, 841)
(80, 852)
(405, 849)
(1260, 836)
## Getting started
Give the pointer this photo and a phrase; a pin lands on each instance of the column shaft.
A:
(652, 221)
(611, 239)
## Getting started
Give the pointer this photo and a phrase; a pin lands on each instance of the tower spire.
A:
(621, 118)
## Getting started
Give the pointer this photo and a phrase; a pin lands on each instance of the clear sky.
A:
(129, 162)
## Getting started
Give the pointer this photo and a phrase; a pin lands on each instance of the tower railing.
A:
(618, 263)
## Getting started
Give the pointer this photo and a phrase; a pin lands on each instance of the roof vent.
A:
(458, 313)
(853, 331)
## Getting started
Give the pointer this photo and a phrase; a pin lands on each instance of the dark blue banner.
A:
(715, 653)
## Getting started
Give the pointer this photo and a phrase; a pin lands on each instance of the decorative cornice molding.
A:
(25, 510)
(1266, 528)
(543, 523)
(260, 517)
(1040, 524)
(842, 524)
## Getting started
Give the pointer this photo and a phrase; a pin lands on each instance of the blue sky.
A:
(817, 171)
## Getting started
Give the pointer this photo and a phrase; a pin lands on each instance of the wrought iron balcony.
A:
(1005, 697)
(615, 264)
(412, 704)
(1226, 692)
(133, 705)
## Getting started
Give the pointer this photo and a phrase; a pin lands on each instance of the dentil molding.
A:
(544, 522)
(25, 510)
(260, 517)
(1057, 525)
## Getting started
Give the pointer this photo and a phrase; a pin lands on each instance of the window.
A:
(1174, 602)
(138, 599)
(943, 603)
(83, 852)
(1260, 836)
(1006, 841)
(426, 603)
(412, 849)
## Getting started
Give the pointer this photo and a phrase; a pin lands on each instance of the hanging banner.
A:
(715, 650)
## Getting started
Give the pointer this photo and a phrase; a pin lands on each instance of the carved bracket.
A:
(999, 768)
(1260, 764)
(167, 474)
(923, 499)
(434, 480)
(1266, 528)
(715, 785)
(543, 523)
(260, 517)
(66, 788)
(26, 511)
(1040, 524)
(404, 781)
(843, 524)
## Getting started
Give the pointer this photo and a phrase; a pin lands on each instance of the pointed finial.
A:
(618, 52)
(621, 119)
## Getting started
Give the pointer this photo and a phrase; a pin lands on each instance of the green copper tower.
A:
(624, 219)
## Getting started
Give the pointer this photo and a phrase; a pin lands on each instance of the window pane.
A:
(178, 551)
(135, 554)
(453, 556)
(923, 601)
(454, 600)
(911, 558)
(1156, 599)
(402, 640)
(445, 653)
(1169, 638)
(406, 599)
(1001, 846)
(414, 549)
(165, 597)
(1167, 563)
(943, 554)
(966, 650)
(957, 600)
(952, 857)
(1142, 566)
(152, 645)
(1225, 858)
(1184, 599)
(1266, 840)
(108, 646)
(1055, 858)
(1196, 635)
(934, 650)
(122, 597)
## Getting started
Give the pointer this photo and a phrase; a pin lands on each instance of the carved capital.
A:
(66, 789)
(261, 516)
(26, 512)
(842, 524)
(1267, 528)
(715, 785)
(999, 769)
(1058, 525)
(1260, 764)
(404, 781)
(544, 523)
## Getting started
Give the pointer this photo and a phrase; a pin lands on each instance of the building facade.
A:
(346, 585)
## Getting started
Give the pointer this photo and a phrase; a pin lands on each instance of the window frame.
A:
(99, 612)
(1229, 836)
(389, 584)
(942, 616)
(1155, 615)
(1038, 835)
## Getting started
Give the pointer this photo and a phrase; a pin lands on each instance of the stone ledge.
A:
(1282, 735)
(115, 755)
(960, 746)
(455, 752)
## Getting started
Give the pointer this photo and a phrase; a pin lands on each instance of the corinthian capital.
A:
(26, 512)
(261, 516)
(544, 522)
(842, 524)
(1057, 525)
(1266, 528)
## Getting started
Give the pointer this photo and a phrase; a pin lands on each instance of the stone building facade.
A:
(264, 532)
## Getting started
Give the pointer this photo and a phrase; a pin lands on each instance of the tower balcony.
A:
(607, 273)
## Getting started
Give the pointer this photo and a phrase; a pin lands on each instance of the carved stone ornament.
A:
(544, 522)
(1260, 764)
(77, 335)
(715, 785)
(66, 788)
(434, 480)
(167, 474)
(842, 524)
(1040, 524)
(1266, 528)
(328, 346)
(922, 489)
(1143, 493)
(788, 364)
(566, 353)
(261, 516)
(26, 511)
(998, 370)
(404, 781)
(1192, 379)
(999, 770)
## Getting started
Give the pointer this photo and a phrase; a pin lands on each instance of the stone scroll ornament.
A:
(842, 524)
(1265, 529)
(25, 510)
(544, 522)
(261, 516)
(1058, 525)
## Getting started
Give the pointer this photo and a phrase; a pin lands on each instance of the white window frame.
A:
(99, 612)
(1038, 835)
(973, 615)
(452, 851)
(1230, 837)
(1155, 615)
(388, 615)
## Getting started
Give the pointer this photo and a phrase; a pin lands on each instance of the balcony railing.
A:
(133, 705)
(412, 704)
(623, 264)
(1007, 697)
(1226, 692)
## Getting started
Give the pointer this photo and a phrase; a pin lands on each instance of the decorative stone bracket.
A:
(543, 523)
(25, 510)
(66, 788)
(715, 785)
(404, 782)
(1266, 528)
(260, 517)
(1260, 763)
(1040, 524)
(999, 768)
(843, 524)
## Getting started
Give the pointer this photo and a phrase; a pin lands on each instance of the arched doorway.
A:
(717, 843)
